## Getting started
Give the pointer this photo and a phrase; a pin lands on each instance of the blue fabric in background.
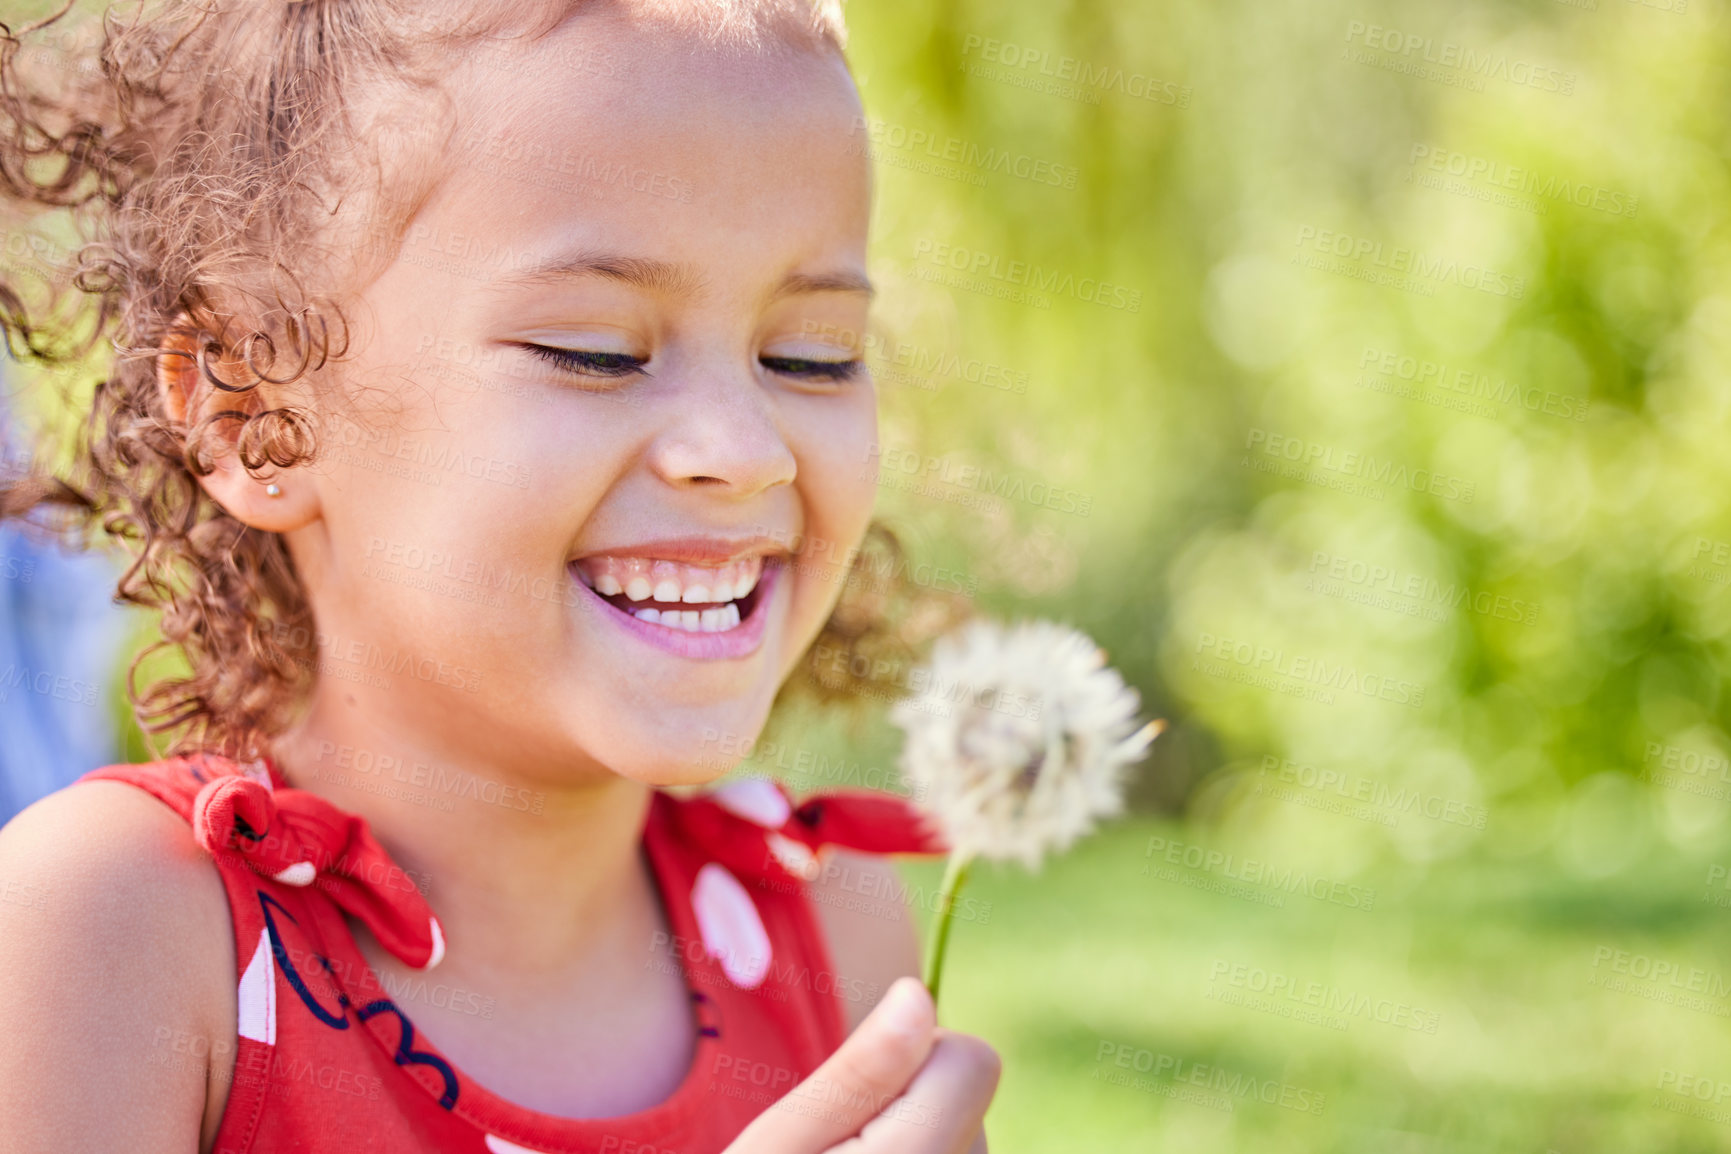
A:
(61, 638)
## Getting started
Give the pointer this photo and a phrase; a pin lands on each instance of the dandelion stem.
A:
(955, 873)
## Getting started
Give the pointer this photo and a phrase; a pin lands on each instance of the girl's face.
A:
(606, 388)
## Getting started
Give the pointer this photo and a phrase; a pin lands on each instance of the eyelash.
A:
(838, 371)
(589, 364)
(623, 364)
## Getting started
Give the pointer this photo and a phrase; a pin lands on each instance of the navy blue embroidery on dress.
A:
(342, 998)
(407, 1055)
(705, 1009)
(336, 1021)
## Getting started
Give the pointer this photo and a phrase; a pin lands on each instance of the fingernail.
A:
(905, 1007)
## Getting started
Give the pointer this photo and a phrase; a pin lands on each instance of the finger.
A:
(943, 1108)
(871, 1068)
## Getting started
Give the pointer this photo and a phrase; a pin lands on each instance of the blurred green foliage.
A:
(1389, 463)
(1407, 503)
(1126, 1006)
(1561, 457)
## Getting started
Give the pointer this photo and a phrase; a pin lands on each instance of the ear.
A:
(177, 369)
(187, 397)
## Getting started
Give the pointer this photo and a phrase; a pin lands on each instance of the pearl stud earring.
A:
(273, 489)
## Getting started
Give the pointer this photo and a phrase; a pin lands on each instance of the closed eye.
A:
(812, 370)
(589, 364)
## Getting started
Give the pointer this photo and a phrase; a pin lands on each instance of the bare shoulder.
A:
(116, 973)
(862, 909)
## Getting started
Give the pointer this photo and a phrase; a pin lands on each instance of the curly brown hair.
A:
(197, 147)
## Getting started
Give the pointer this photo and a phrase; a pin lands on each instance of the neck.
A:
(526, 877)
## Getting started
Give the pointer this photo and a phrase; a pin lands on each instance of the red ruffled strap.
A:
(297, 838)
(869, 822)
(753, 826)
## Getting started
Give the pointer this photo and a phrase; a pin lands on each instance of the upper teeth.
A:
(668, 583)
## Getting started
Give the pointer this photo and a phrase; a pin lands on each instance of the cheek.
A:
(838, 463)
(837, 458)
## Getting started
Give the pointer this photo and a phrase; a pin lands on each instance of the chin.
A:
(696, 750)
(676, 775)
(697, 769)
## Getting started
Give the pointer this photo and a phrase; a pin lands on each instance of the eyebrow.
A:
(834, 282)
(674, 279)
(640, 272)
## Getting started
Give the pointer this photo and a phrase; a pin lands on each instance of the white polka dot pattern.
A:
(755, 799)
(499, 1146)
(732, 930)
(256, 1003)
(795, 858)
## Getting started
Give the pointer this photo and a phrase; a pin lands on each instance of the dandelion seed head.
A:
(1019, 739)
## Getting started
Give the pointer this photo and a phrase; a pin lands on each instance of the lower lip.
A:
(741, 641)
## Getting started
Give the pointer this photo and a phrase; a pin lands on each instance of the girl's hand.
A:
(898, 1085)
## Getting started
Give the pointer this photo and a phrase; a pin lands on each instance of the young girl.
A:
(487, 410)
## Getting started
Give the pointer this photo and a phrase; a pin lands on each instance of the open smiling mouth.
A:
(688, 598)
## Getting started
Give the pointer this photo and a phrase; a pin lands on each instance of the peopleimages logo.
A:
(1026, 274)
(1363, 467)
(910, 363)
(1480, 66)
(883, 133)
(1666, 980)
(1372, 793)
(1277, 666)
(1274, 992)
(1495, 173)
(45, 683)
(893, 461)
(1252, 871)
(1331, 575)
(1073, 70)
(1401, 260)
(1428, 374)
(1234, 1086)
(422, 459)
(33, 248)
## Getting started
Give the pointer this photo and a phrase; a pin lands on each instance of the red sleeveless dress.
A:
(328, 1060)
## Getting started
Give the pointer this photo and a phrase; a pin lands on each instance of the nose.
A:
(723, 435)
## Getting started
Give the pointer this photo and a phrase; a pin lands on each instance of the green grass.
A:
(1527, 1054)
